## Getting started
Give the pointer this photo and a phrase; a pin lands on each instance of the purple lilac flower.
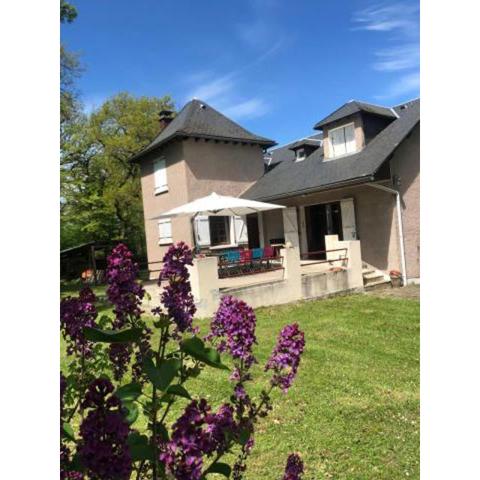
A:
(182, 455)
(294, 468)
(76, 313)
(103, 446)
(234, 324)
(177, 294)
(286, 355)
(196, 433)
(126, 295)
(71, 475)
(119, 354)
(123, 291)
(219, 426)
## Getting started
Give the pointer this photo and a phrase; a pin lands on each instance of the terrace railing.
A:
(313, 257)
(236, 263)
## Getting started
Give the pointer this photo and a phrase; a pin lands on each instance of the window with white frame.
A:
(165, 231)
(219, 230)
(342, 140)
(301, 155)
(160, 175)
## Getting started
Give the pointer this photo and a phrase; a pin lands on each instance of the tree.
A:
(70, 69)
(68, 13)
(100, 186)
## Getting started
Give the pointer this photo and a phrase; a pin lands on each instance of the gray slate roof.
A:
(290, 178)
(198, 119)
(284, 152)
(352, 107)
(305, 142)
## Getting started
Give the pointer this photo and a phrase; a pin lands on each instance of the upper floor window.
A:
(160, 175)
(301, 155)
(342, 140)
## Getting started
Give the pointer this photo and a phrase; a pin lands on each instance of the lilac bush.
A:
(107, 444)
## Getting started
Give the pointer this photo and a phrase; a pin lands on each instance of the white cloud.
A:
(252, 108)
(397, 58)
(407, 84)
(399, 23)
(213, 89)
(223, 92)
(387, 17)
(255, 34)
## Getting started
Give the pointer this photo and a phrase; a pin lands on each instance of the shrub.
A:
(106, 446)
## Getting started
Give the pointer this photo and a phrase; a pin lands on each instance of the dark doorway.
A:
(322, 219)
(252, 230)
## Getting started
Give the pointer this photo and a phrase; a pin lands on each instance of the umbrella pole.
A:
(193, 233)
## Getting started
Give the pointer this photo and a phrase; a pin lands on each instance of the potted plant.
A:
(396, 278)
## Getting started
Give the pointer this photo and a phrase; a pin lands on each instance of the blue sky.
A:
(274, 66)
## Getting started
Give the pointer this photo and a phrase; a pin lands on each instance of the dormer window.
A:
(300, 155)
(342, 140)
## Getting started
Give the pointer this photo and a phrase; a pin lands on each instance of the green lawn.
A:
(353, 412)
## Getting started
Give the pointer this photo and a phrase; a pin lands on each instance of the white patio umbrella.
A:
(218, 205)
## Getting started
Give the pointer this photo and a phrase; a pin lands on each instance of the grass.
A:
(353, 411)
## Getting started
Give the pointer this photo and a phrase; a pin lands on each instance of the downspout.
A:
(400, 226)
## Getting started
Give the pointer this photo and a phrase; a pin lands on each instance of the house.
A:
(357, 177)
(197, 152)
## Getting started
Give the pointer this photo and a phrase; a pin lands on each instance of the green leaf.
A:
(162, 376)
(162, 432)
(179, 391)
(132, 412)
(76, 464)
(221, 468)
(193, 345)
(129, 392)
(196, 348)
(140, 449)
(68, 431)
(162, 322)
(112, 336)
(244, 436)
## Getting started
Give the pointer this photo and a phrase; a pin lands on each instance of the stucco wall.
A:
(224, 168)
(155, 204)
(406, 164)
(272, 225)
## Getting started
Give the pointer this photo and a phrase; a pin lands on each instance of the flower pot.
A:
(396, 281)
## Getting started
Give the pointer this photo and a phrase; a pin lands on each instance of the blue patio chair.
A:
(257, 253)
(232, 256)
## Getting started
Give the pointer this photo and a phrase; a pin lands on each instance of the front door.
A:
(322, 219)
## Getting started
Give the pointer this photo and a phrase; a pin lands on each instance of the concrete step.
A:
(372, 277)
(378, 285)
(365, 271)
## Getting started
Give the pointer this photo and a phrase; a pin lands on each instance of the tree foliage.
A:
(100, 186)
(70, 70)
(68, 13)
